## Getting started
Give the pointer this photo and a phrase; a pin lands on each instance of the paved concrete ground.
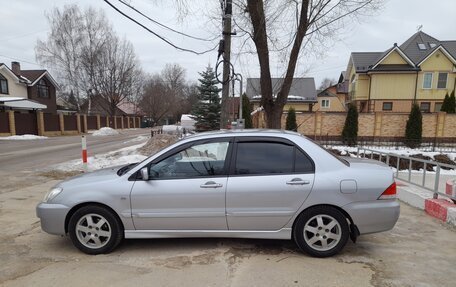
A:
(419, 251)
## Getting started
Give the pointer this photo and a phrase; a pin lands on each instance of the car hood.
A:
(102, 175)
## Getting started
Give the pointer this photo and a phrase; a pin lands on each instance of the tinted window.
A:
(302, 163)
(264, 158)
(197, 161)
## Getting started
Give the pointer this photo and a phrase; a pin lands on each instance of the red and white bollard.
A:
(84, 152)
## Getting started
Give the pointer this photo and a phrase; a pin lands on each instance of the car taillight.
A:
(389, 193)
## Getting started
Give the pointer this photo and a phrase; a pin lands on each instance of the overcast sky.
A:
(22, 22)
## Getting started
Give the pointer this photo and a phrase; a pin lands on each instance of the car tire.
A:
(95, 230)
(321, 231)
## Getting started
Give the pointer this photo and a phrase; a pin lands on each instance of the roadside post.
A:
(84, 152)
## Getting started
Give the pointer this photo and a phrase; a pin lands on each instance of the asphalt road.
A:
(29, 155)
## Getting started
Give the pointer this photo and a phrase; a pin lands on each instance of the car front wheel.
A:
(321, 231)
(95, 230)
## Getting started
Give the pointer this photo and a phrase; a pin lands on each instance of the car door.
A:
(269, 180)
(186, 190)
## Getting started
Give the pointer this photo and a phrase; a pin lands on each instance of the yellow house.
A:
(333, 98)
(421, 70)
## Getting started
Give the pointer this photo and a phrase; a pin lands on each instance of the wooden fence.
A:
(46, 124)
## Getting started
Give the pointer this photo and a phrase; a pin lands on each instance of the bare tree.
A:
(89, 57)
(115, 73)
(309, 24)
(326, 83)
(155, 101)
(63, 48)
(174, 77)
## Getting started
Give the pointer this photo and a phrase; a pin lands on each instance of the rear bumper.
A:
(52, 217)
(374, 216)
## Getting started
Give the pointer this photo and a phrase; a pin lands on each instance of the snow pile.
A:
(157, 143)
(119, 157)
(105, 132)
(171, 129)
(23, 138)
(417, 167)
(347, 150)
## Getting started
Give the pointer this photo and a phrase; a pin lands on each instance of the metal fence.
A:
(400, 161)
(426, 144)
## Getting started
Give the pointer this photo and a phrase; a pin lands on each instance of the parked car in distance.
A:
(266, 184)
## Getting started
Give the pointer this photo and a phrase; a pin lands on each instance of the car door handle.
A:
(298, 181)
(211, 184)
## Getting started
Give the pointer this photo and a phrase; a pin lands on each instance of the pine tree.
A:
(206, 111)
(452, 104)
(246, 110)
(350, 131)
(445, 104)
(414, 128)
(291, 124)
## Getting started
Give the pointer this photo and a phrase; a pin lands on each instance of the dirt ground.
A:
(419, 251)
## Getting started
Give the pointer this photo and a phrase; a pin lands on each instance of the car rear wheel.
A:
(321, 231)
(95, 230)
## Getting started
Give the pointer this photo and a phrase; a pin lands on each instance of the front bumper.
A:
(52, 217)
(374, 216)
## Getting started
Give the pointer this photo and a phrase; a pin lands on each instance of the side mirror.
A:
(144, 173)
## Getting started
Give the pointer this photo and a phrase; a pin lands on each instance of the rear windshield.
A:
(339, 158)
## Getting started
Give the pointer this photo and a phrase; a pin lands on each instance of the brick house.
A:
(421, 70)
(29, 89)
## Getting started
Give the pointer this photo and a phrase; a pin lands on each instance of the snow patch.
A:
(118, 157)
(105, 132)
(24, 138)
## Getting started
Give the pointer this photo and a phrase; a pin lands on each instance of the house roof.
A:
(35, 75)
(301, 90)
(21, 103)
(363, 60)
(99, 105)
(414, 50)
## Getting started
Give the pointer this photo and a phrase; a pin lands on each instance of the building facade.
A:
(420, 70)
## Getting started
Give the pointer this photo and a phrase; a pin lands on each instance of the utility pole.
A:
(227, 15)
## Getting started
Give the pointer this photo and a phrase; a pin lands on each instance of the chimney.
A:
(16, 67)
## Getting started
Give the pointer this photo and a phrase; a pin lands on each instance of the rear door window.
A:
(264, 158)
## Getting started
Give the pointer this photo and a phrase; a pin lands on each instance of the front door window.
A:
(203, 160)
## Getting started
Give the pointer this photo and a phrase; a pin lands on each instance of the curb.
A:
(441, 209)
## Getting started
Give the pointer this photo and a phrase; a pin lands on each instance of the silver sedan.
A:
(238, 184)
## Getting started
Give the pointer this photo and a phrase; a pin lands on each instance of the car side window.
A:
(264, 158)
(303, 164)
(200, 160)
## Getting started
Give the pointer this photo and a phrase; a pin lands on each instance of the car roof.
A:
(243, 132)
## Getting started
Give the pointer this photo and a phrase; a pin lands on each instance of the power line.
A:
(164, 26)
(157, 35)
(21, 36)
(22, 60)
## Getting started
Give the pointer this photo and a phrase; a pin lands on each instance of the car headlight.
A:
(52, 193)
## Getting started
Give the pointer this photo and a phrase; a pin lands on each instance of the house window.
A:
(437, 107)
(43, 89)
(3, 85)
(425, 107)
(442, 82)
(387, 106)
(422, 46)
(325, 103)
(427, 81)
(432, 45)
